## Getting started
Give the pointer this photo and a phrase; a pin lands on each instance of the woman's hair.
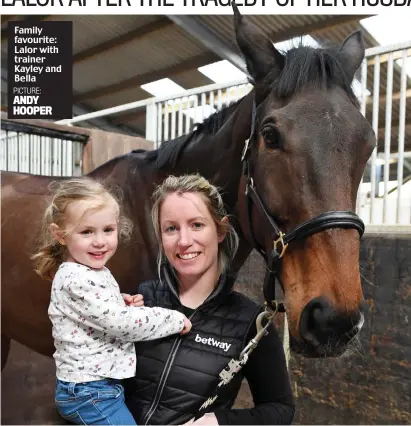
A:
(50, 252)
(209, 193)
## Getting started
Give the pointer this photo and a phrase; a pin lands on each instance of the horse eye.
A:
(271, 137)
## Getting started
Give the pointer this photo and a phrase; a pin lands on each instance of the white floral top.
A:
(93, 328)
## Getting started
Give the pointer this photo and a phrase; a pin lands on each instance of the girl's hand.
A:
(187, 326)
(207, 419)
(137, 300)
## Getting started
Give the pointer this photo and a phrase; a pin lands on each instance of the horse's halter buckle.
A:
(284, 246)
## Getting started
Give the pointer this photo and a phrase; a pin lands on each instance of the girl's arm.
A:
(95, 308)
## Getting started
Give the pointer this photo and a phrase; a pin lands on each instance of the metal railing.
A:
(174, 116)
(381, 200)
(40, 150)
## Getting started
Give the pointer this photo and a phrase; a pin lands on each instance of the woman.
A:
(175, 376)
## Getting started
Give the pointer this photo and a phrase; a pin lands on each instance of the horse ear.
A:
(259, 52)
(352, 53)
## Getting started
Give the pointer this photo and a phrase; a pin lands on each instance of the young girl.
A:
(93, 324)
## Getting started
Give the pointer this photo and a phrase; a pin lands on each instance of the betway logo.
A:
(213, 342)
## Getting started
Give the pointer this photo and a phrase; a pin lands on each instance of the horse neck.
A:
(217, 156)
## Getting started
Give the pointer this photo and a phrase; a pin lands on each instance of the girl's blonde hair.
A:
(51, 253)
(196, 184)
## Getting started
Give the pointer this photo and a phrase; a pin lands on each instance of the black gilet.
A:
(175, 375)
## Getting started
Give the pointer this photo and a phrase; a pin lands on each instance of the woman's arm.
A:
(267, 376)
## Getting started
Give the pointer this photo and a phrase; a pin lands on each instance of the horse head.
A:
(303, 163)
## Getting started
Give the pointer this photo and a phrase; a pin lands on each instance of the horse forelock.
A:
(307, 67)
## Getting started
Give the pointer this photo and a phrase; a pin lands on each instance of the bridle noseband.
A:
(281, 240)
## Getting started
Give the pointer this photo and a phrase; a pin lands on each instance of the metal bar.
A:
(159, 126)
(29, 152)
(144, 102)
(388, 229)
(18, 152)
(203, 105)
(387, 142)
(375, 107)
(46, 162)
(70, 163)
(212, 99)
(401, 134)
(26, 152)
(363, 111)
(107, 111)
(229, 95)
(7, 149)
(52, 157)
(379, 50)
(395, 155)
(165, 122)
(12, 146)
(180, 117)
(21, 153)
(62, 157)
(173, 119)
(187, 127)
(195, 109)
(219, 99)
(35, 154)
(16, 126)
(41, 155)
(73, 158)
(57, 156)
(364, 86)
(397, 55)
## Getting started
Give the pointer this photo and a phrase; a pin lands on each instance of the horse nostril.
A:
(313, 324)
(320, 324)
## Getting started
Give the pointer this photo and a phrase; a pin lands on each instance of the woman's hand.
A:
(137, 300)
(207, 419)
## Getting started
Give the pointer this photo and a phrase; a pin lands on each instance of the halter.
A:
(281, 240)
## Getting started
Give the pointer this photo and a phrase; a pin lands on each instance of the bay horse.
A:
(306, 150)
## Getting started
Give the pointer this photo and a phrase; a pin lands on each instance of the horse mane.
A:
(169, 152)
(306, 66)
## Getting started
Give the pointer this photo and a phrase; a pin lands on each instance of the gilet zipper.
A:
(171, 356)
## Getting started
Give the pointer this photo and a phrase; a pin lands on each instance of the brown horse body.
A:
(307, 156)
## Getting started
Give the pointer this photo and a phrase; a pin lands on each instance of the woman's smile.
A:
(188, 256)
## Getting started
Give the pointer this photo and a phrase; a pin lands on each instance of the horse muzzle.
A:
(325, 332)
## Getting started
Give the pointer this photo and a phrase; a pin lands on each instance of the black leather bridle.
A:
(281, 240)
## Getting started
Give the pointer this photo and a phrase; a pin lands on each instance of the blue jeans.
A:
(100, 402)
